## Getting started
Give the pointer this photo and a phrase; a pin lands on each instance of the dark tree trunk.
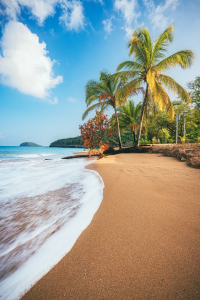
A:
(134, 137)
(118, 130)
(142, 115)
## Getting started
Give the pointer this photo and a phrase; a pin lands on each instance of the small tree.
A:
(194, 87)
(95, 133)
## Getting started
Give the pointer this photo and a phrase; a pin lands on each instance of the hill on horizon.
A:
(30, 144)
(75, 142)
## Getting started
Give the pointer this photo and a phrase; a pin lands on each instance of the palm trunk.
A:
(134, 137)
(118, 130)
(142, 115)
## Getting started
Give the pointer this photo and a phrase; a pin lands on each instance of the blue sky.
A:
(49, 49)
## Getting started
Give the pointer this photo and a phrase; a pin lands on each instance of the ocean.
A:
(44, 207)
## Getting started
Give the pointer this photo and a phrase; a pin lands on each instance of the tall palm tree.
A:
(105, 93)
(149, 60)
(129, 116)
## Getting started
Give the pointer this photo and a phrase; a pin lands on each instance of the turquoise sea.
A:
(44, 207)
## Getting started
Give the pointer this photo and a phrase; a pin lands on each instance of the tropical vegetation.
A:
(153, 119)
(95, 132)
(75, 141)
(149, 61)
(105, 94)
(129, 116)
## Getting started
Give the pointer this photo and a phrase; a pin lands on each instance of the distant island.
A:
(75, 142)
(30, 144)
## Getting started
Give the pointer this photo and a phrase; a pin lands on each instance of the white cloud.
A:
(96, 1)
(54, 101)
(24, 64)
(128, 9)
(41, 9)
(72, 16)
(108, 27)
(72, 100)
(1, 136)
(129, 30)
(157, 14)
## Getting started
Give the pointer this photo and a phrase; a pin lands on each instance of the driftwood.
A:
(81, 155)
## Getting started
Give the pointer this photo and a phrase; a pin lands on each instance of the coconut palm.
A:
(149, 61)
(105, 93)
(129, 116)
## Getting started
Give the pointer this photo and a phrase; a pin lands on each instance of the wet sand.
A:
(143, 242)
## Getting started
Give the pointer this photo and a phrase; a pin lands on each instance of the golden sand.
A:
(143, 242)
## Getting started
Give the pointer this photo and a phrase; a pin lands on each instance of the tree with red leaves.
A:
(96, 132)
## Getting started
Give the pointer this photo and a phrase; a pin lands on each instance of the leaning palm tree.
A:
(149, 61)
(129, 116)
(105, 94)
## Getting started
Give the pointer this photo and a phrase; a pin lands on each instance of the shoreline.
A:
(143, 242)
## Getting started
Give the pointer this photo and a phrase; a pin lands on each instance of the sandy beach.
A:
(143, 242)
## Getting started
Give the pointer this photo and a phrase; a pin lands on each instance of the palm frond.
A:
(129, 115)
(125, 75)
(170, 109)
(137, 49)
(140, 45)
(131, 88)
(130, 65)
(184, 59)
(160, 96)
(105, 96)
(173, 86)
(94, 106)
(94, 91)
(161, 44)
(104, 75)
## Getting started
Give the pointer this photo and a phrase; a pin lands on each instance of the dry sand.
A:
(143, 242)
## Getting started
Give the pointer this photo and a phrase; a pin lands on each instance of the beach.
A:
(144, 240)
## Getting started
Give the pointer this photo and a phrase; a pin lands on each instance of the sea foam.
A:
(45, 205)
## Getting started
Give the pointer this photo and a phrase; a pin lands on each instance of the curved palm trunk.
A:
(118, 130)
(142, 115)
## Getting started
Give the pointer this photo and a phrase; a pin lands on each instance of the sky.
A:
(49, 49)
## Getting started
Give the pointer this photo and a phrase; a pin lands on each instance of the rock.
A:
(194, 162)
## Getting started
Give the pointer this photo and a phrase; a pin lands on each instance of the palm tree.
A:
(105, 93)
(149, 60)
(129, 116)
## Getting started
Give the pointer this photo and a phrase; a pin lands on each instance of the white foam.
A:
(50, 175)
(28, 179)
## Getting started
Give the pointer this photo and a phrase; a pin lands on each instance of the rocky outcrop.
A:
(189, 153)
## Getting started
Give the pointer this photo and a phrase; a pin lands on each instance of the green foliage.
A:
(164, 134)
(126, 136)
(129, 117)
(160, 126)
(76, 141)
(103, 94)
(30, 144)
(154, 140)
(194, 87)
(171, 141)
(182, 138)
(144, 142)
